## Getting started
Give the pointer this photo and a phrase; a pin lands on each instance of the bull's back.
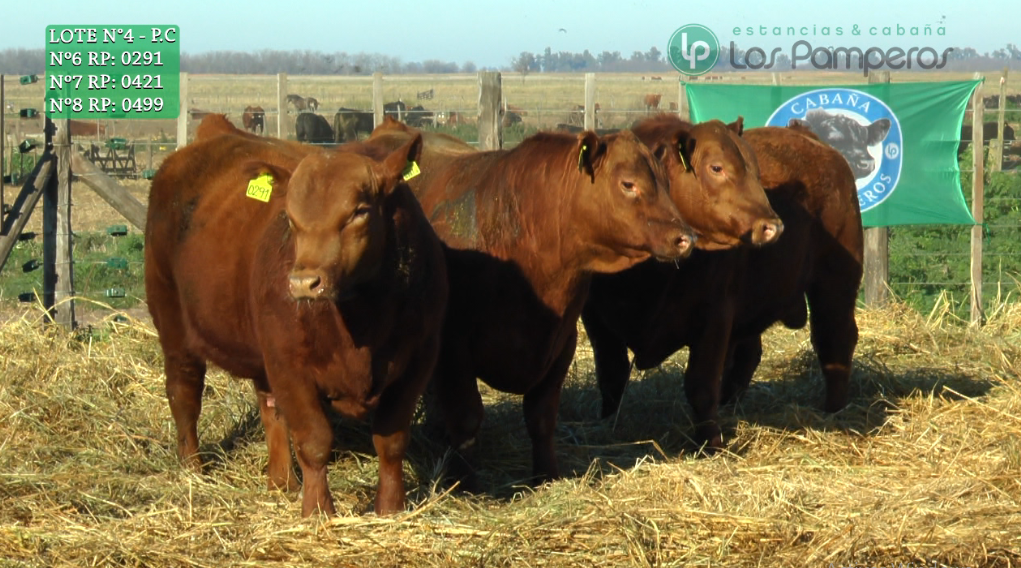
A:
(451, 191)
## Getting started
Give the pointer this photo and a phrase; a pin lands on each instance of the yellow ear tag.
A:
(260, 188)
(581, 157)
(684, 161)
(411, 170)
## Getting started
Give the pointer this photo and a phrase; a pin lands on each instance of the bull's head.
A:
(624, 203)
(714, 180)
(336, 209)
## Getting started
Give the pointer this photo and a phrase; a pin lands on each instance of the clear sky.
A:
(491, 33)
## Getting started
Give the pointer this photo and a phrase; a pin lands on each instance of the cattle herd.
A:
(361, 278)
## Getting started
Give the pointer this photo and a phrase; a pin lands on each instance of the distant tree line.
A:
(20, 61)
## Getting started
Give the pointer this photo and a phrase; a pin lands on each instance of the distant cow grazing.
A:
(848, 137)
(719, 302)
(87, 128)
(652, 101)
(418, 117)
(990, 131)
(297, 101)
(396, 109)
(525, 231)
(349, 123)
(577, 115)
(313, 129)
(327, 289)
(254, 119)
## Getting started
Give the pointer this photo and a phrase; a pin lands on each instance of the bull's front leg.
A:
(703, 376)
(299, 402)
(541, 405)
(613, 369)
(742, 361)
(455, 392)
(391, 427)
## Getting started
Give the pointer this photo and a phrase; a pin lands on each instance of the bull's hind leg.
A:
(185, 382)
(742, 361)
(185, 371)
(280, 469)
(391, 427)
(612, 367)
(541, 405)
(834, 336)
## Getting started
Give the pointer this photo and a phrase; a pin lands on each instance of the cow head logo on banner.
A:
(859, 126)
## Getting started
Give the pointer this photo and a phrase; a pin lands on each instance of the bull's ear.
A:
(681, 148)
(589, 149)
(402, 163)
(737, 126)
(684, 141)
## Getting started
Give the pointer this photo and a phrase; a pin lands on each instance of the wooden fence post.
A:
(58, 270)
(977, 189)
(281, 106)
(490, 125)
(182, 119)
(877, 245)
(377, 99)
(1000, 125)
(3, 139)
(682, 100)
(590, 101)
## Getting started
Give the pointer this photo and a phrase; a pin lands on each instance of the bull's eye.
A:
(361, 212)
(716, 168)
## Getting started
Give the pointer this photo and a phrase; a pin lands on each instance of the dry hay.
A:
(921, 468)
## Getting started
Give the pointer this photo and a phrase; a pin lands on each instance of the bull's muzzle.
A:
(766, 231)
(307, 286)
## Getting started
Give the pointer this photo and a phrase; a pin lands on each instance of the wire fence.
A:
(925, 261)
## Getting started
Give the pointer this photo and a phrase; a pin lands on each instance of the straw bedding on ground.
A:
(922, 467)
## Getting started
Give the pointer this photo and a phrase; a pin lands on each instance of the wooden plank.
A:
(377, 99)
(877, 245)
(185, 116)
(58, 270)
(282, 122)
(490, 125)
(977, 205)
(24, 204)
(111, 191)
(590, 101)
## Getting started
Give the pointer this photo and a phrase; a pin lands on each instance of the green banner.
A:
(900, 139)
